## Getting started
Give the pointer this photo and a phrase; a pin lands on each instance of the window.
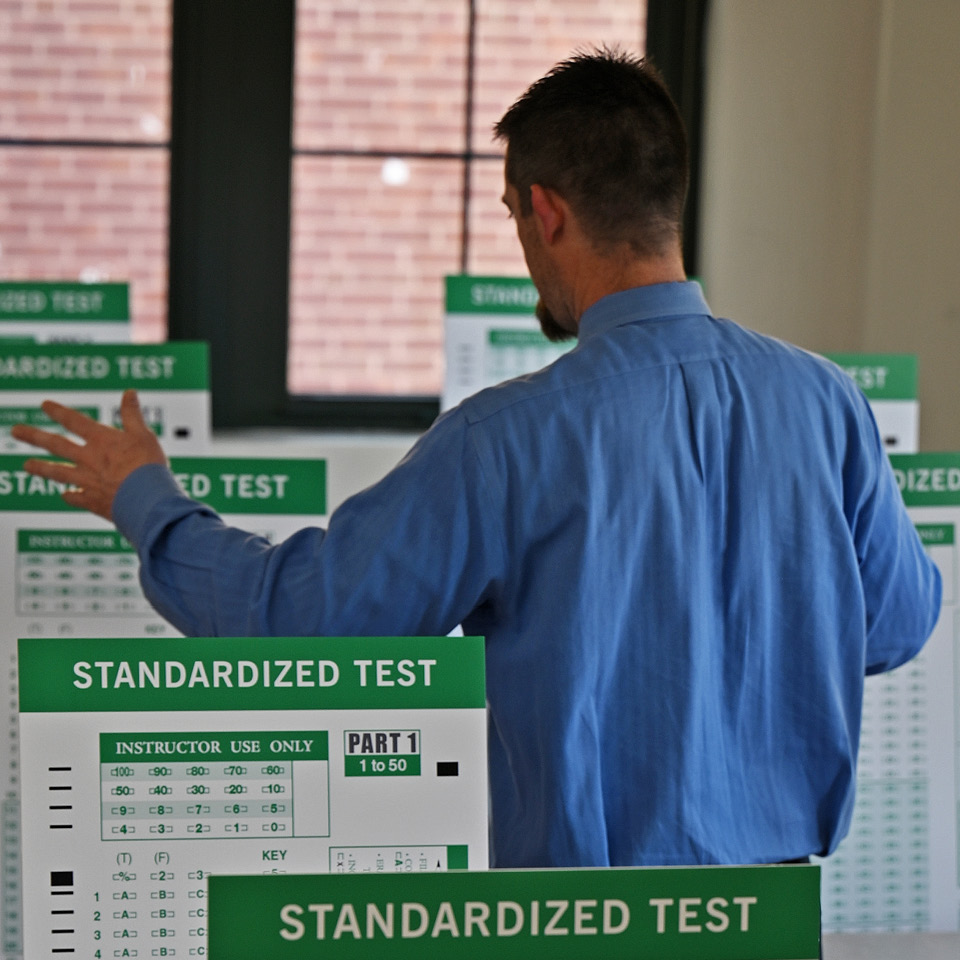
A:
(298, 213)
(396, 181)
(84, 152)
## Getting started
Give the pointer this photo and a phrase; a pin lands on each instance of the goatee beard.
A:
(551, 329)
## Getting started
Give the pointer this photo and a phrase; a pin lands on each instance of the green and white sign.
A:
(899, 868)
(233, 485)
(184, 676)
(747, 913)
(491, 334)
(69, 574)
(881, 376)
(148, 765)
(172, 380)
(75, 302)
(65, 311)
(482, 295)
(889, 382)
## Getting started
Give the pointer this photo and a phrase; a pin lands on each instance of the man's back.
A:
(682, 541)
(685, 548)
(698, 525)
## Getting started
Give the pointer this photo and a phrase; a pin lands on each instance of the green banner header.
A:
(936, 534)
(281, 673)
(519, 338)
(467, 294)
(247, 485)
(72, 541)
(35, 417)
(153, 747)
(881, 376)
(928, 479)
(178, 365)
(29, 300)
(681, 913)
(255, 485)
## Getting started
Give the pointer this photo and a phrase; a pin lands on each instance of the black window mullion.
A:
(676, 32)
(231, 110)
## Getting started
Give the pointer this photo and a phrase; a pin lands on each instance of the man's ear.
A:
(550, 211)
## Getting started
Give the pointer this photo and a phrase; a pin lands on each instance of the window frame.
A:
(230, 201)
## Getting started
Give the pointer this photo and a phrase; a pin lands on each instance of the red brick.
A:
(368, 260)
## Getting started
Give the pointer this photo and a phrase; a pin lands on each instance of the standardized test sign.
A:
(171, 379)
(148, 766)
(65, 311)
(700, 913)
(66, 573)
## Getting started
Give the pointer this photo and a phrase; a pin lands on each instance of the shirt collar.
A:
(653, 302)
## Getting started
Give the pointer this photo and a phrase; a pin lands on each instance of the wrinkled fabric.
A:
(685, 547)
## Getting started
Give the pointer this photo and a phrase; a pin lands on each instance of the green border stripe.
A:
(520, 339)
(65, 675)
(233, 485)
(35, 417)
(466, 294)
(80, 302)
(179, 365)
(881, 376)
(937, 534)
(164, 748)
(680, 913)
(72, 541)
(928, 479)
(256, 485)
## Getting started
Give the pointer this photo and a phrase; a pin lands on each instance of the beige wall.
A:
(831, 194)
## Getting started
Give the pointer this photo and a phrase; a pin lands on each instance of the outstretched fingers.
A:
(54, 443)
(95, 468)
(131, 415)
(76, 422)
(52, 470)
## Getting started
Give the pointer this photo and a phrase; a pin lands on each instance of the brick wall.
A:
(371, 243)
(91, 71)
(369, 256)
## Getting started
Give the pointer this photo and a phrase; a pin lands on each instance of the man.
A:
(682, 540)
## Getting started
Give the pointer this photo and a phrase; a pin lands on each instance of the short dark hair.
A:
(602, 130)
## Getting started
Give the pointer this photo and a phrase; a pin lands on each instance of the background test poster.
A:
(899, 867)
(152, 766)
(70, 574)
(172, 380)
(491, 334)
(889, 382)
(65, 312)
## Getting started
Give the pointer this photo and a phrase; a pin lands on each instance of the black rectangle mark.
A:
(448, 768)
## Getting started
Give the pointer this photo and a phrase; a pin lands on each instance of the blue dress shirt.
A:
(685, 547)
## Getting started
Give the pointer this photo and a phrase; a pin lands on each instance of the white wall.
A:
(831, 190)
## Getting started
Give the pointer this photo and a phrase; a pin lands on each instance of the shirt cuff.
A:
(139, 493)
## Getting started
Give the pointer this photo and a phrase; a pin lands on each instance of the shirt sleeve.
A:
(901, 584)
(412, 555)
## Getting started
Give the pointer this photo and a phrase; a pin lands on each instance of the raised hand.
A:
(95, 468)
